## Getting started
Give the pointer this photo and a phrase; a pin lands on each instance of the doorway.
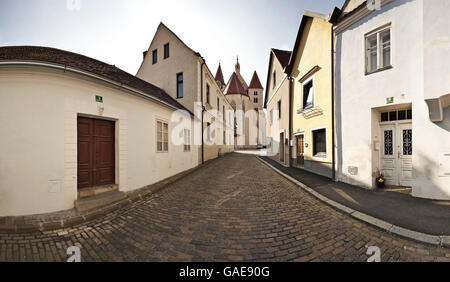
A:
(96, 152)
(396, 154)
(300, 141)
(282, 148)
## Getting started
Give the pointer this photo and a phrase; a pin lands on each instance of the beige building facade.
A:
(183, 73)
(312, 74)
(277, 103)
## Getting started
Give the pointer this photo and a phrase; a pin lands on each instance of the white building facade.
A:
(392, 95)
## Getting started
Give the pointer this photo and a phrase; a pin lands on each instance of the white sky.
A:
(118, 31)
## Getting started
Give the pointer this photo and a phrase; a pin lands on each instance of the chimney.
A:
(145, 54)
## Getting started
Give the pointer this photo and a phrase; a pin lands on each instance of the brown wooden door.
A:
(96, 152)
(282, 147)
(301, 151)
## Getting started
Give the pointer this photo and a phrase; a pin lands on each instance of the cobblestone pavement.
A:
(233, 209)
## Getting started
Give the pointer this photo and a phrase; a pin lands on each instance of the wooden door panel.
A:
(105, 152)
(85, 153)
(96, 152)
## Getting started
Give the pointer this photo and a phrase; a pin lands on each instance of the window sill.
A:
(304, 111)
(320, 156)
(379, 70)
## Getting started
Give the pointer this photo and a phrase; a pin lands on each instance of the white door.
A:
(396, 154)
(404, 154)
(388, 161)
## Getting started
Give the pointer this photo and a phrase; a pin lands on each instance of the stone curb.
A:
(443, 241)
(22, 227)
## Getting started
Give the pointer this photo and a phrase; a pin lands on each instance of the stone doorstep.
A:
(94, 191)
(99, 201)
(108, 203)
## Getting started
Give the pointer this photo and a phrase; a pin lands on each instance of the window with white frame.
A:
(308, 94)
(187, 140)
(162, 142)
(378, 50)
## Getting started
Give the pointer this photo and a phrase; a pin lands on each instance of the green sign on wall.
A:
(390, 100)
(99, 99)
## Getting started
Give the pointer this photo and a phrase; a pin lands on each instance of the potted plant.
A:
(380, 181)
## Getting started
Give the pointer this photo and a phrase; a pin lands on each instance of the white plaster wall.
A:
(38, 151)
(416, 69)
(357, 94)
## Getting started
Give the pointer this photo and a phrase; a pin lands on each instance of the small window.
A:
(279, 109)
(255, 100)
(187, 140)
(180, 85)
(396, 115)
(162, 142)
(207, 93)
(271, 117)
(218, 104)
(166, 51)
(155, 56)
(308, 95)
(274, 79)
(320, 143)
(208, 131)
(378, 50)
(255, 93)
(393, 116)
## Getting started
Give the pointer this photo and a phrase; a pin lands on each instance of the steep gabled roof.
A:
(219, 75)
(76, 61)
(255, 83)
(234, 86)
(306, 16)
(282, 56)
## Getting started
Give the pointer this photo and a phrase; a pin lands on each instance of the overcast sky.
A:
(118, 31)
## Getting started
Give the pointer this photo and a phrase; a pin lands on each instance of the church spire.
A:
(219, 76)
(238, 66)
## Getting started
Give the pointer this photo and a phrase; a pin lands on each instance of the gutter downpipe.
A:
(333, 108)
(291, 124)
(203, 108)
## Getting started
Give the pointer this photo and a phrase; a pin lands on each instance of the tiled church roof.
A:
(255, 83)
(234, 86)
(219, 75)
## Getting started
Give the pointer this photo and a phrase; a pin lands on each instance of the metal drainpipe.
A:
(333, 129)
(203, 108)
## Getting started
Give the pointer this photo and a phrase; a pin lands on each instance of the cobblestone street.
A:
(247, 212)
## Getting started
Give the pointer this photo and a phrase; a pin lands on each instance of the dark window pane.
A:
(308, 95)
(155, 56)
(180, 85)
(409, 114)
(401, 115)
(393, 116)
(166, 51)
(319, 143)
(388, 143)
(384, 117)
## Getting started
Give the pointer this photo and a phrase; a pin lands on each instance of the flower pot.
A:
(380, 182)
